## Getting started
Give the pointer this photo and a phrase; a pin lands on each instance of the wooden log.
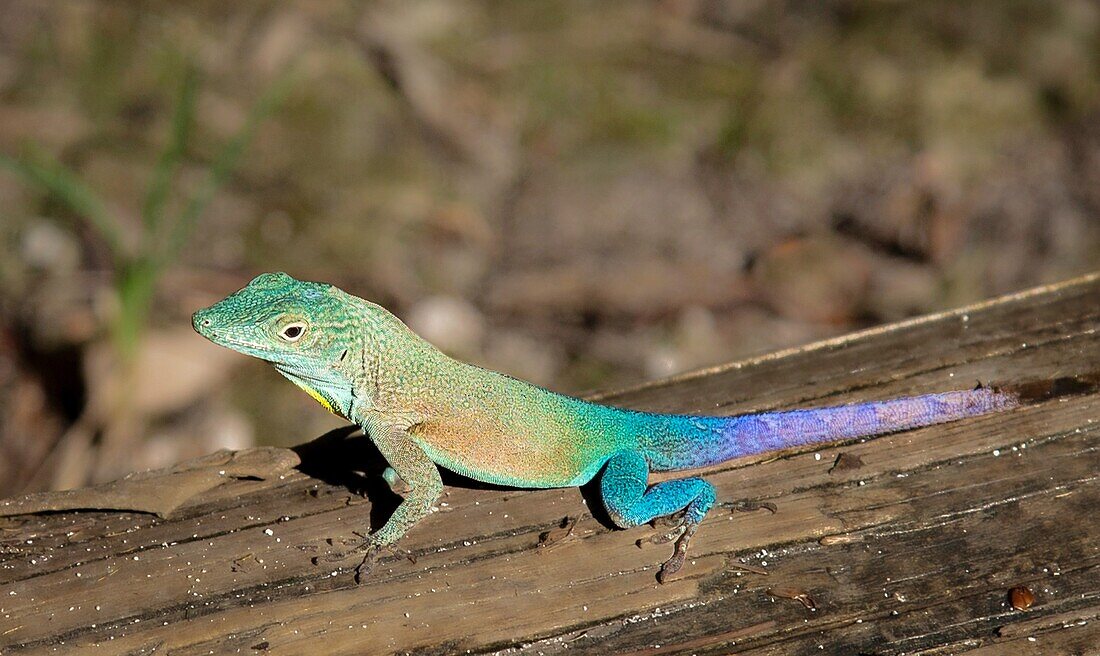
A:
(908, 544)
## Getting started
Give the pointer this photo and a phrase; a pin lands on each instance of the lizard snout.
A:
(202, 323)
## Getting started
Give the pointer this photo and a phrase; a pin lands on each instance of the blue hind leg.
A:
(630, 503)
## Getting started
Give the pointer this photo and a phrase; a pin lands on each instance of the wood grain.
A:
(913, 551)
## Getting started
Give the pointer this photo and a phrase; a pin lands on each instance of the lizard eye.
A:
(292, 332)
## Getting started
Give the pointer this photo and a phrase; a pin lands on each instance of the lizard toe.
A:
(748, 506)
(666, 537)
(679, 556)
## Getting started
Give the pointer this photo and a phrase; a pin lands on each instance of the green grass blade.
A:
(42, 170)
(152, 212)
(224, 164)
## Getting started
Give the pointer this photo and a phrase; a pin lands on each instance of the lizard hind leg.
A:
(629, 502)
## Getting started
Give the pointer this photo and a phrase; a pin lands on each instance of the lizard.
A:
(424, 409)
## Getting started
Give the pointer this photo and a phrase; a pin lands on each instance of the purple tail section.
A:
(683, 442)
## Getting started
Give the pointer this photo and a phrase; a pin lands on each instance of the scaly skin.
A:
(423, 408)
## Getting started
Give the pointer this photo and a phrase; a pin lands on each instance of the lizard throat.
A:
(311, 385)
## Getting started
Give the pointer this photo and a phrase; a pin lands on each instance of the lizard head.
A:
(300, 327)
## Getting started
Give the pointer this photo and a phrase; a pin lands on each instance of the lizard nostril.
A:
(206, 322)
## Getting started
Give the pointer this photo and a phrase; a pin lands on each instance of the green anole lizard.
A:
(422, 409)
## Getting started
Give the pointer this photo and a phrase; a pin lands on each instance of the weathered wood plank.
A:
(912, 552)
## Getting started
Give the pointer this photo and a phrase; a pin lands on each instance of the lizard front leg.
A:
(418, 473)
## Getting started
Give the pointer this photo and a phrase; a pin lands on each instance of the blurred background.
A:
(584, 194)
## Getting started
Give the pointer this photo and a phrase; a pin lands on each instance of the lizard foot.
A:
(673, 564)
(748, 506)
(372, 552)
(681, 534)
(363, 569)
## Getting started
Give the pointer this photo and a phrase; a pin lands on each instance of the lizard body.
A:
(423, 408)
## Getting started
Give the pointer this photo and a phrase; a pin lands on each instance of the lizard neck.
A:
(392, 363)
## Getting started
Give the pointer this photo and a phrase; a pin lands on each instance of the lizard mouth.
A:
(212, 332)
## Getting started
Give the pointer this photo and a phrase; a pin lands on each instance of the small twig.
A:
(798, 594)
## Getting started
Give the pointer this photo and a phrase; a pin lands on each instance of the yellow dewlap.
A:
(317, 397)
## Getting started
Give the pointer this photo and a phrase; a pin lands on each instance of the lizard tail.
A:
(684, 442)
